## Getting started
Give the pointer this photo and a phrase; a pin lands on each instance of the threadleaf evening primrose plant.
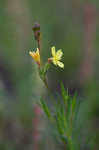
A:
(64, 116)
(65, 113)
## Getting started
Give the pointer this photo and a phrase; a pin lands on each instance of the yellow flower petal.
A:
(38, 55)
(32, 54)
(53, 51)
(54, 62)
(60, 64)
(35, 55)
(59, 54)
(37, 51)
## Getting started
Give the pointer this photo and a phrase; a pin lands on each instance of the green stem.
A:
(46, 84)
(70, 144)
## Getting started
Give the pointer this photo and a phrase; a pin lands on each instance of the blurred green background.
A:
(71, 25)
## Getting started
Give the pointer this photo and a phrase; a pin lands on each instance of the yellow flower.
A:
(35, 56)
(56, 57)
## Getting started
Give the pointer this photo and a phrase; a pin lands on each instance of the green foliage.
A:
(64, 117)
(46, 109)
(43, 70)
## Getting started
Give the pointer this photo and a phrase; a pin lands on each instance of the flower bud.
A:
(36, 27)
(36, 30)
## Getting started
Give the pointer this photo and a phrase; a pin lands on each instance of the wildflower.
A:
(56, 57)
(35, 56)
